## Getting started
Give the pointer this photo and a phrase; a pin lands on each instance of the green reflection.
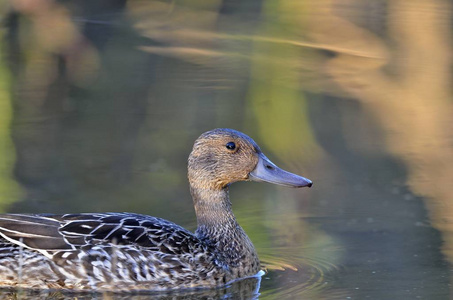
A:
(10, 191)
(278, 105)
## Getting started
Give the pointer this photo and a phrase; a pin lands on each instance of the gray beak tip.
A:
(305, 183)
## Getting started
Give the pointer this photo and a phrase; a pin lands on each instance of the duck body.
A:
(126, 251)
(108, 251)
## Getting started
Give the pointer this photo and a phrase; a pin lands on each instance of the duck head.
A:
(222, 156)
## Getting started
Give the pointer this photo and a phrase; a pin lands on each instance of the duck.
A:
(129, 251)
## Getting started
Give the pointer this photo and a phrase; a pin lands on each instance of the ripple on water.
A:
(297, 271)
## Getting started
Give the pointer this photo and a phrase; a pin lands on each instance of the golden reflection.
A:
(50, 31)
(47, 50)
(412, 102)
(185, 28)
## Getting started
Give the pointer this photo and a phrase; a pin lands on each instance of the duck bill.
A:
(267, 171)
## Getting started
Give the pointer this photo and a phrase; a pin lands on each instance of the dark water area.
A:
(101, 101)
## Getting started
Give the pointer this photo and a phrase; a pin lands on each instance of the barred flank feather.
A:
(96, 250)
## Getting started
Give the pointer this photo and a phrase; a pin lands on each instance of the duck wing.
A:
(48, 233)
(33, 231)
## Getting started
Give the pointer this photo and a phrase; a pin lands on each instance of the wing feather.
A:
(33, 231)
(68, 232)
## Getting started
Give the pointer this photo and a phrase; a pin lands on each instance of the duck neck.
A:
(218, 228)
(213, 210)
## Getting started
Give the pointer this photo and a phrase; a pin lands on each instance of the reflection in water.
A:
(10, 190)
(411, 99)
(243, 289)
(107, 100)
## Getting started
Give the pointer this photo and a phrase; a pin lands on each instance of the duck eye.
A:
(230, 145)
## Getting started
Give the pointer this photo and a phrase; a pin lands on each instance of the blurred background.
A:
(100, 102)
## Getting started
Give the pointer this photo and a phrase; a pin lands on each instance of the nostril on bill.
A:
(269, 167)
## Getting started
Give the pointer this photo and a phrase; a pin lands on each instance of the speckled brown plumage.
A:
(125, 251)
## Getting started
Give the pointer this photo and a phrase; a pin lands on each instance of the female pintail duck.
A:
(111, 251)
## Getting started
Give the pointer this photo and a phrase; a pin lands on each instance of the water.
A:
(100, 105)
